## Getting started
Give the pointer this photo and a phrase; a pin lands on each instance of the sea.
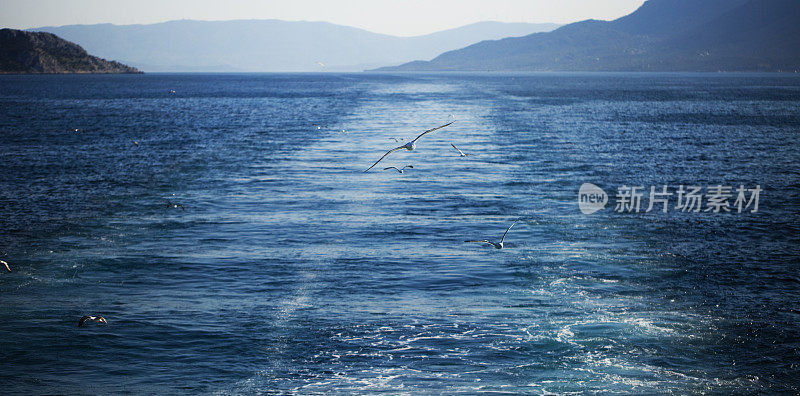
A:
(230, 237)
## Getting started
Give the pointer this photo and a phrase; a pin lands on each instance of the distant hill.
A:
(26, 52)
(272, 45)
(662, 35)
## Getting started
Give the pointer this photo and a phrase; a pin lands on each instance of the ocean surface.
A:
(239, 249)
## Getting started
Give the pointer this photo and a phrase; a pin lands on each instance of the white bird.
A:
(410, 146)
(399, 170)
(171, 204)
(97, 319)
(459, 150)
(321, 64)
(6, 265)
(495, 244)
(136, 143)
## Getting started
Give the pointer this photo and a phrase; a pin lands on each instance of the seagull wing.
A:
(6, 265)
(509, 228)
(392, 167)
(431, 130)
(459, 150)
(384, 156)
(83, 320)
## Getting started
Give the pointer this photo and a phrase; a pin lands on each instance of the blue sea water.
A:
(290, 270)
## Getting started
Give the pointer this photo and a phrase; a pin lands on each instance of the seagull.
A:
(6, 265)
(172, 91)
(459, 150)
(410, 146)
(321, 64)
(136, 143)
(77, 130)
(496, 245)
(318, 126)
(98, 319)
(175, 205)
(399, 170)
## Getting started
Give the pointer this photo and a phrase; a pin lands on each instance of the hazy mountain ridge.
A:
(662, 35)
(272, 45)
(43, 53)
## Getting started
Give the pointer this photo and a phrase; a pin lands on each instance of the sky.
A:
(395, 17)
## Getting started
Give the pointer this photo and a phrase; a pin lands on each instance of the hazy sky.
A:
(397, 17)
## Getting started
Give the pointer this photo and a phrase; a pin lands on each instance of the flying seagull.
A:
(459, 150)
(321, 64)
(410, 146)
(6, 265)
(399, 170)
(175, 205)
(496, 245)
(136, 143)
(97, 319)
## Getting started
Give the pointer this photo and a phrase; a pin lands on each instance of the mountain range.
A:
(662, 35)
(271, 45)
(40, 53)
